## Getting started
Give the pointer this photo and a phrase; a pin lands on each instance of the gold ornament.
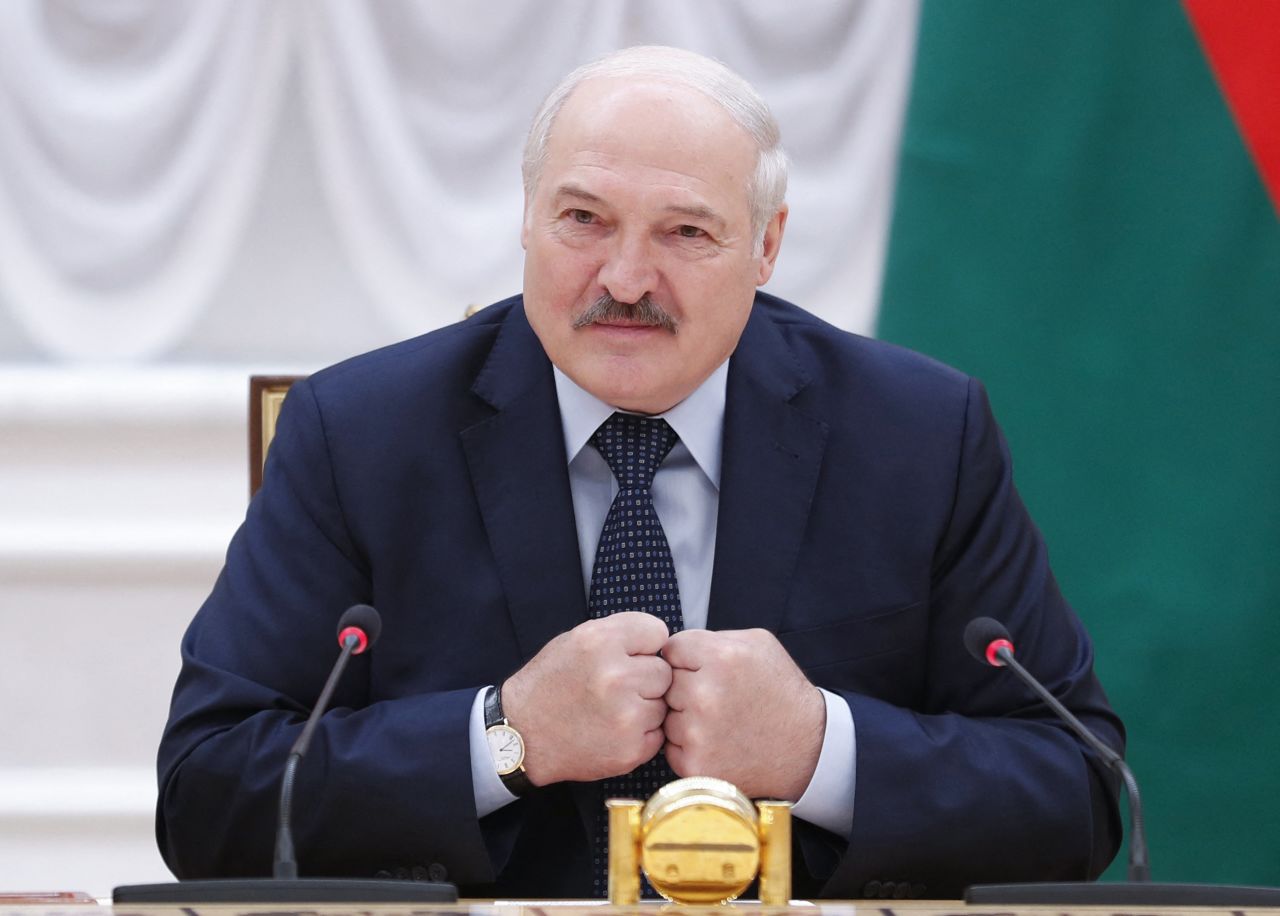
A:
(699, 841)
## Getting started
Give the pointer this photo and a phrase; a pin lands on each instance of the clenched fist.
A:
(591, 704)
(740, 709)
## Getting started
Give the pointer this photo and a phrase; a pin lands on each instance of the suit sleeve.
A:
(980, 783)
(386, 786)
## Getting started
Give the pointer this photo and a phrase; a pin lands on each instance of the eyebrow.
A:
(695, 212)
(706, 214)
(577, 193)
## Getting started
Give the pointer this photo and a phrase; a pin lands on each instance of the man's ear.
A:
(772, 245)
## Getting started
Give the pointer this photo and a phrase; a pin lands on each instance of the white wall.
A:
(120, 489)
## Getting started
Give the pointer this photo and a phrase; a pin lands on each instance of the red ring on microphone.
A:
(362, 639)
(995, 646)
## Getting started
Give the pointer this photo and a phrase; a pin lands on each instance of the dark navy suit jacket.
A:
(867, 513)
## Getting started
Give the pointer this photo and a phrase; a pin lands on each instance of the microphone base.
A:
(1133, 894)
(273, 890)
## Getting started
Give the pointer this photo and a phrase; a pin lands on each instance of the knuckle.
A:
(691, 735)
(702, 698)
(738, 651)
(639, 716)
(628, 720)
(589, 635)
(656, 710)
(655, 625)
(610, 679)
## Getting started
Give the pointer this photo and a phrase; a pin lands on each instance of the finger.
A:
(676, 728)
(653, 715)
(687, 648)
(639, 633)
(679, 693)
(675, 758)
(652, 676)
(653, 742)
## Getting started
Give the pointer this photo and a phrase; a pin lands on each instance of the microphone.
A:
(358, 629)
(989, 642)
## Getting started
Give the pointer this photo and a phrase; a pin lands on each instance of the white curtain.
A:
(133, 137)
(419, 112)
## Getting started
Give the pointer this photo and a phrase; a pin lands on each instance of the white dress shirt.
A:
(686, 496)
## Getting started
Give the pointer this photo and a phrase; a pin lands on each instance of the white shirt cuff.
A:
(828, 800)
(486, 785)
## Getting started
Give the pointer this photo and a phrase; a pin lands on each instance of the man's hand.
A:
(590, 704)
(740, 709)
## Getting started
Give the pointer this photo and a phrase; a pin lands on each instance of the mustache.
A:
(643, 311)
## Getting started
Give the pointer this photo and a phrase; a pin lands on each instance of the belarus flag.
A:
(1086, 219)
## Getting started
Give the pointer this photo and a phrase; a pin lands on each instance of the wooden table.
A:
(591, 908)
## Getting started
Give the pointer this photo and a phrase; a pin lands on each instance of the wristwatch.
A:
(505, 745)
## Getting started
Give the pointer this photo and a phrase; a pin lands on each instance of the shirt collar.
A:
(698, 420)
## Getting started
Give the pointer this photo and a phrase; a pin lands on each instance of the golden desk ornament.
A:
(699, 841)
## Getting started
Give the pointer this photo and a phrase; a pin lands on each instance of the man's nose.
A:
(629, 271)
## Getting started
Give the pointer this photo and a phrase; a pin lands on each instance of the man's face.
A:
(644, 196)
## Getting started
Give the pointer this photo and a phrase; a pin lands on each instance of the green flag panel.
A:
(1078, 224)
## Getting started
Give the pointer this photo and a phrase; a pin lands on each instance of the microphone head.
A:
(361, 621)
(983, 636)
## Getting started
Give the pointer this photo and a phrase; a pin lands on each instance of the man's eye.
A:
(690, 232)
(582, 216)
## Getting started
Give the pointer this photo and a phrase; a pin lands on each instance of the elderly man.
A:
(641, 521)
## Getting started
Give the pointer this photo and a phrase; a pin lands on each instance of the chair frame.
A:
(266, 397)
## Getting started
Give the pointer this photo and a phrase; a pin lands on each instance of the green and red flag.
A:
(1086, 218)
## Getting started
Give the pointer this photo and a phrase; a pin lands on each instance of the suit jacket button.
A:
(872, 889)
(887, 889)
(402, 874)
(382, 873)
(918, 891)
(419, 873)
(902, 891)
(437, 872)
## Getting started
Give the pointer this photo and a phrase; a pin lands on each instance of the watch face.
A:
(507, 748)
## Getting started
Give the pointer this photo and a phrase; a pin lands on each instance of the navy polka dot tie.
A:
(633, 572)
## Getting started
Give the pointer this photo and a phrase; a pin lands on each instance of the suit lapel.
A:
(519, 474)
(769, 472)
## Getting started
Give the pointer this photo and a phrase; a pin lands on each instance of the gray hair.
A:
(731, 92)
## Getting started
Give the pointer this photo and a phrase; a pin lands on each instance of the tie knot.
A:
(633, 447)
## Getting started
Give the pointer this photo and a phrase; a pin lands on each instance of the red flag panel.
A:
(1242, 41)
